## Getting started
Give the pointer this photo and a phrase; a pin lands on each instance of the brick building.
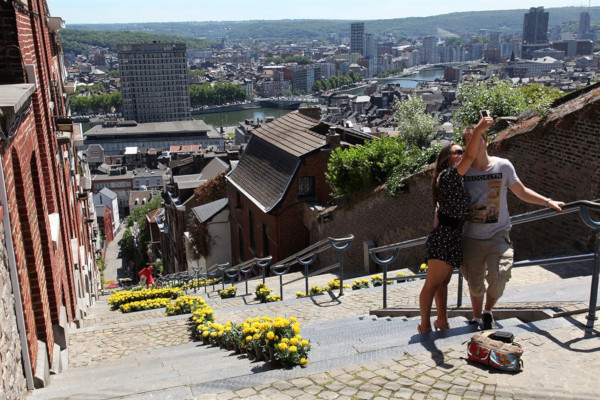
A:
(47, 223)
(279, 177)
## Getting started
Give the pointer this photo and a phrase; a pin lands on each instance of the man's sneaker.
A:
(488, 321)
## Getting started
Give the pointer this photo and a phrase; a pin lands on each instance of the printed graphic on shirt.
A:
(485, 208)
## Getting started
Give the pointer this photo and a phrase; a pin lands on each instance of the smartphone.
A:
(484, 113)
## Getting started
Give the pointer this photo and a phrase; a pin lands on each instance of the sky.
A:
(128, 11)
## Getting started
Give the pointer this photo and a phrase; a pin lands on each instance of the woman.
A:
(146, 276)
(444, 243)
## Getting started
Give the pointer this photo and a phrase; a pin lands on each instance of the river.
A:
(233, 118)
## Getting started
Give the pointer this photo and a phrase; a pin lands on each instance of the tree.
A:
(415, 126)
(132, 249)
(502, 98)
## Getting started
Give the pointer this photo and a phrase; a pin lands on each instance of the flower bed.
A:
(129, 296)
(360, 284)
(277, 340)
(184, 305)
(198, 284)
(228, 293)
(144, 305)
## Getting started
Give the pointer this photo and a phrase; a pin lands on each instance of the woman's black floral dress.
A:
(445, 241)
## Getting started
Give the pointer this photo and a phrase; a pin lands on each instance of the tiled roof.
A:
(264, 173)
(273, 156)
(292, 133)
(209, 210)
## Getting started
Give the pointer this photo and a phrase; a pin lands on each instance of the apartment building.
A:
(154, 82)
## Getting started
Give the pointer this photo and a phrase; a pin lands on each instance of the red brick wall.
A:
(37, 185)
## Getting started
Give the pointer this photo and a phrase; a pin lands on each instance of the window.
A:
(306, 186)
(251, 219)
(266, 236)
(238, 199)
(241, 243)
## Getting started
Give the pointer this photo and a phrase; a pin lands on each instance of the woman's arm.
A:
(473, 145)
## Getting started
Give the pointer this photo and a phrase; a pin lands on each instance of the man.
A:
(486, 242)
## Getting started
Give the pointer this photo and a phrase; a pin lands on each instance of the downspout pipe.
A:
(14, 279)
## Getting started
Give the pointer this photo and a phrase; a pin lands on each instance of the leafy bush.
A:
(385, 160)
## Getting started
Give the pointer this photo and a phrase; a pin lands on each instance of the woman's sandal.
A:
(422, 330)
(441, 325)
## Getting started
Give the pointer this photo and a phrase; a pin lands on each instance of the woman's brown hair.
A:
(442, 163)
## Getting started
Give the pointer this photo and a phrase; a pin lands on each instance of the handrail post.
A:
(340, 245)
(197, 273)
(264, 263)
(460, 289)
(385, 263)
(280, 269)
(306, 263)
(222, 268)
(587, 219)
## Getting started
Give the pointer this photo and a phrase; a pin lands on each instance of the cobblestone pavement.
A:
(553, 367)
(447, 375)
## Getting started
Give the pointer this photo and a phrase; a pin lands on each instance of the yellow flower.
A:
(213, 334)
(285, 340)
(248, 338)
(296, 328)
(293, 319)
(282, 346)
(270, 335)
(293, 341)
(303, 361)
(293, 349)
(304, 343)
(256, 336)
(205, 334)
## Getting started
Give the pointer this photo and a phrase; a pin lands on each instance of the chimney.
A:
(333, 139)
(313, 112)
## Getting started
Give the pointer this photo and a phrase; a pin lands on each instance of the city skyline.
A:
(136, 11)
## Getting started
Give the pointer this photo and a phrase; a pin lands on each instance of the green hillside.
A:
(459, 23)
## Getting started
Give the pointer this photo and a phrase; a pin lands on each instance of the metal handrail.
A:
(308, 255)
(580, 205)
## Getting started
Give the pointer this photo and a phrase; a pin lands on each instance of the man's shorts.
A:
(494, 255)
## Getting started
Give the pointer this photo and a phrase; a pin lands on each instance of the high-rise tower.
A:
(154, 82)
(535, 26)
(535, 31)
(357, 38)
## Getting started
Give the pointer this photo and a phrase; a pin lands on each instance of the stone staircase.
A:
(191, 369)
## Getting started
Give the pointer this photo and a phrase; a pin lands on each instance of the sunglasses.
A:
(457, 152)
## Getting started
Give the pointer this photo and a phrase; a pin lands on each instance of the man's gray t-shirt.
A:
(488, 213)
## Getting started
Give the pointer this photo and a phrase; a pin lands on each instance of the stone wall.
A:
(12, 385)
(558, 156)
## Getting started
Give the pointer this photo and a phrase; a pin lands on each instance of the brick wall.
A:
(12, 385)
(38, 183)
(558, 157)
